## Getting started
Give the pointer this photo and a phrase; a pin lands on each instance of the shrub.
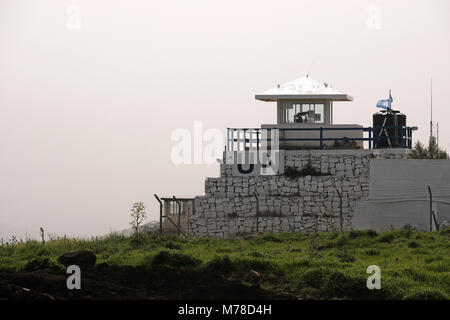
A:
(136, 241)
(256, 254)
(172, 245)
(426, 294)
(342, 240)
(174, 259)
(355, 234)
(371, 233)
(438, 267)
(372, 252)
(340, 284)
(221, 264)
(40, 263)
(416, 274)
(42, 252)
(386, 237)
(309, 293)
(314, 277)
(257, 264)
(429, 260)
(362, 233)
(224, 250)
(346, 256)
(432, 152)
(332, 283)
(413, 244)
(269, 237)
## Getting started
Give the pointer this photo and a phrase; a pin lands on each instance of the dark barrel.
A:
(384, 135)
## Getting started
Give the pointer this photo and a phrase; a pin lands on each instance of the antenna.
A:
(434, 128)
(431, 108)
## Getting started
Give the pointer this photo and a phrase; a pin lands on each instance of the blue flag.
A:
(385, 104)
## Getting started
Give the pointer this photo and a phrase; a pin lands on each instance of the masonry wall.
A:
(303, 204)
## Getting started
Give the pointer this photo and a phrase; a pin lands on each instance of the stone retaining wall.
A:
(301, 204)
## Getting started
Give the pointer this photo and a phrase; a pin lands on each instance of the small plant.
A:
(221, 264)
(174, 259)
(42, 234)
(386, 238)
(342, 240)
(307, 170)
(413, 244)
(138, 215)
(372, 252)
(313, 245)
(256, 264)
(172, 245)
(346, 143)
(40, 263)
(332, 226)
(356, 234)
(342, 243)
(346, 256)
(269, 237)
(371, 233)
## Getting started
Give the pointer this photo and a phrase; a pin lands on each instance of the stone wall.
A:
(302, 204)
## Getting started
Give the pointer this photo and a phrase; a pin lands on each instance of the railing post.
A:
(245, 139)
(160, 213)
(228, 140)
(241, 140)
(402, 141)
(179, 214)
(321, 137)
(370, 138)
(257, 139)
(232, 131)
(410, 138)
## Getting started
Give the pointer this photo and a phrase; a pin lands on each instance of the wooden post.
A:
(160, 213)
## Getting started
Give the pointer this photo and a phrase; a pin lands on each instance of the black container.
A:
(383, 122)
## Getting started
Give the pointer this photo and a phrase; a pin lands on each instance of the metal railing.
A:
(239, 139)
(161, 216)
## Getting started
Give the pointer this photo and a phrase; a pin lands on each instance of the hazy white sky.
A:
(86, 114)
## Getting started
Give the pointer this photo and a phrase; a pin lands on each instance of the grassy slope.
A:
(320, 266)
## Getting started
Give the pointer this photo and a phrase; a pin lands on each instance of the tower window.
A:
(303, 113)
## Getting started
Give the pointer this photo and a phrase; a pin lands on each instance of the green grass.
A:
(414, 265)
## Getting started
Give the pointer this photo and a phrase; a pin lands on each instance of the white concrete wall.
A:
(398, 194)
(409, 179)
(382, 216)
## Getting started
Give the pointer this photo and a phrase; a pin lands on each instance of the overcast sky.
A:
(88, 104)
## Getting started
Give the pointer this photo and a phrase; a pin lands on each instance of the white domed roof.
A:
(303, 88)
